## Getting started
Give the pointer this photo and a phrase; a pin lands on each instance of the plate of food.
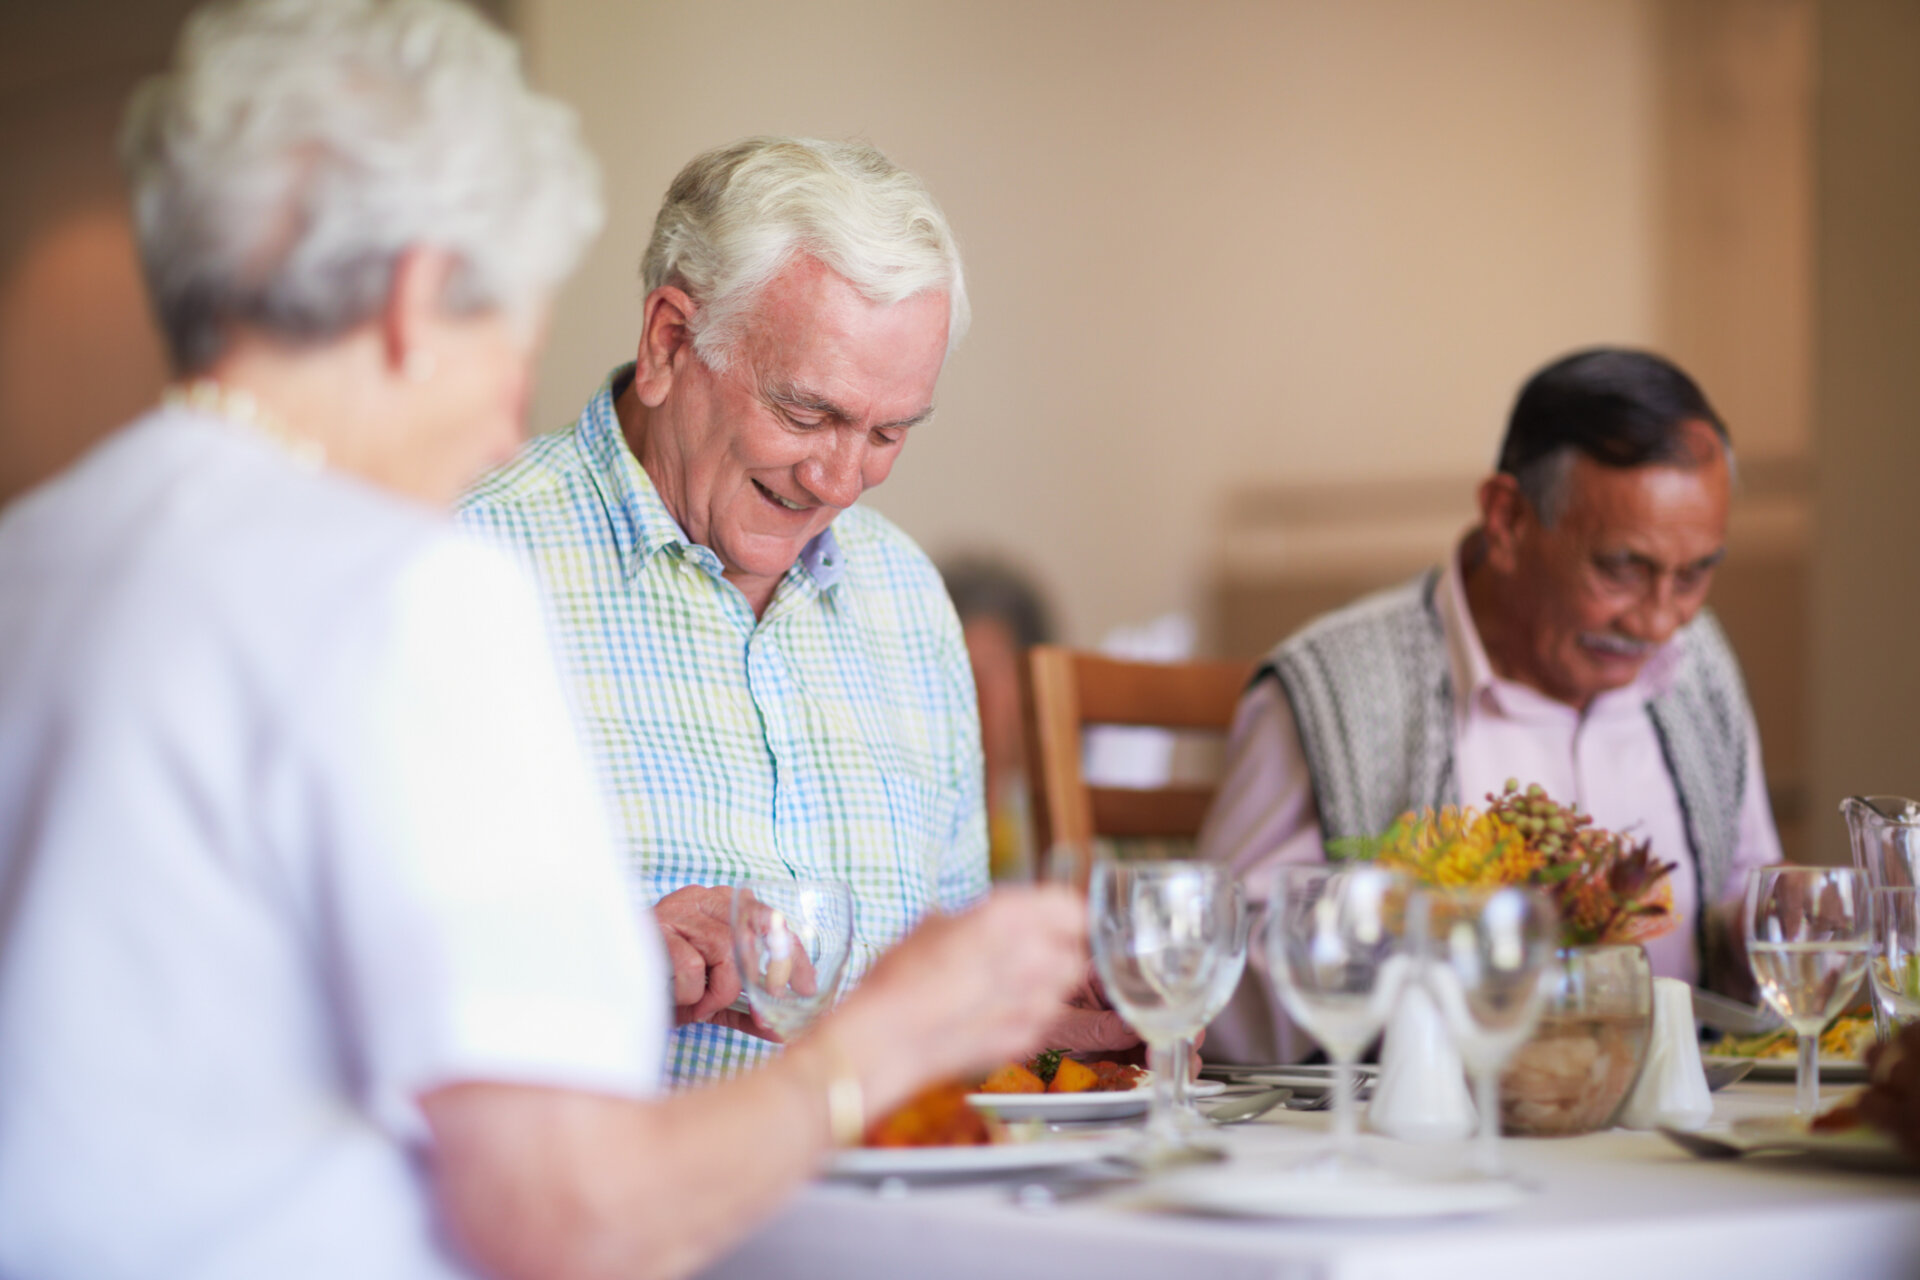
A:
(1843, 1048)
(1017, 1154)
(936, 1133)
(1053, 1087)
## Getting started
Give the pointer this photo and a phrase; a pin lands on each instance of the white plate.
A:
(1832, 1070)
(1094, 1104)
(1004, 1157)
(1242, 1193)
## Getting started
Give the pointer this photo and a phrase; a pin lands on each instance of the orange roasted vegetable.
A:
(1013, 1078)
(1073, 1077)
(935, 1117)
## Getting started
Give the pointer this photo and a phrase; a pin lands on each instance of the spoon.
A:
(1250, 1107)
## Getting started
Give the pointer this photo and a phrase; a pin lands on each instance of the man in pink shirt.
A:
(1563, 642)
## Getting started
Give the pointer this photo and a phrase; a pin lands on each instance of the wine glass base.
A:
(1156, 1153)
(1333, 1164)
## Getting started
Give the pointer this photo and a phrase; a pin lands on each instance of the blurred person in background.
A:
(1565, 642)
(315, 957)
(1002, 615)
(771, 677)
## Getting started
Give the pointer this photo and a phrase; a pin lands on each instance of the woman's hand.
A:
(963, 992)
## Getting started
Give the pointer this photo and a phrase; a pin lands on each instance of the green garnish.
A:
(1046, 1063)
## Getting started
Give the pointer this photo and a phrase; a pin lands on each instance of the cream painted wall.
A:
(1210, 245)
(1866, 556)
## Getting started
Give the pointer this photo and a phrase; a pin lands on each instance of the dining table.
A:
(1612, 1205)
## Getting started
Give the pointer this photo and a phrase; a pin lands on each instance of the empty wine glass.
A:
(1159, 932)
(1226, 979)
(790, 940)
(1337, 954)
(1809, 935)
(1895, 966)
(1486, 957)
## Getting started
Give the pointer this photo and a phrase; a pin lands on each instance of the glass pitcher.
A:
(1886, 839)
(1885, 831)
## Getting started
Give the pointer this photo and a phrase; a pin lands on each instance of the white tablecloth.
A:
(1611, 1206)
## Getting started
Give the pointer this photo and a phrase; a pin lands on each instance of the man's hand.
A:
(1087, 1023)
(694, 923)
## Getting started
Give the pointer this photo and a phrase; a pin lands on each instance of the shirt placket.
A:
(770, 684)
(776, 697)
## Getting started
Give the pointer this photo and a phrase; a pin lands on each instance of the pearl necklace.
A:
(242, 408)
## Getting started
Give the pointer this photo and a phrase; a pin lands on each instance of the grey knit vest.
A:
(1372, 698)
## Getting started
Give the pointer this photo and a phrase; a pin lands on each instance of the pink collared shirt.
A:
(1607, 760)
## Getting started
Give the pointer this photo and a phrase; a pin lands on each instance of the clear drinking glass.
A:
(1895, 963)
(1226, 979)
(1809, 937)
(790, 939)
(1337, 953)
(1159, 932)
(1486, 959)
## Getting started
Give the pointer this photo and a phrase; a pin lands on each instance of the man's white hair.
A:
(736, 215)
(298, 147)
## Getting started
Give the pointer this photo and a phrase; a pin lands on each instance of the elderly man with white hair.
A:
(771, 678)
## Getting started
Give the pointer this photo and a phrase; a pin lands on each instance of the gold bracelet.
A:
(846, 1101)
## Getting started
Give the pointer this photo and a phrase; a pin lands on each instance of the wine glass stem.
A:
(1806, 1099)
(1182, 1067)
(1346, 1112)
(1162, 1129)
(1486, 1097)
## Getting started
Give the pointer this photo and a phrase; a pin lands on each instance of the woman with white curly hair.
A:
(314, 956)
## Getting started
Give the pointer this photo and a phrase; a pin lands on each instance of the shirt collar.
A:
(641, 524)
(1474, 678)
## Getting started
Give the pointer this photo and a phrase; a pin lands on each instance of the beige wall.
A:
(1210, 245)
(1866, 611)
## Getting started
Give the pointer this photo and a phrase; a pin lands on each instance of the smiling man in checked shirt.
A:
(771, 678)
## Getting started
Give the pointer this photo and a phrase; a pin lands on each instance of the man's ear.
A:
(413, 309)
(666, 342)
(1506, 517)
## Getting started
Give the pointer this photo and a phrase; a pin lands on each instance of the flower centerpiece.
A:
(1612, 895)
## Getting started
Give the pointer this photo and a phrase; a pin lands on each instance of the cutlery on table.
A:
(1730, 1017)
(1250, 1106)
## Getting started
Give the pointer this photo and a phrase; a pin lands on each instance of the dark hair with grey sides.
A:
(1619, 407)
(983, 587)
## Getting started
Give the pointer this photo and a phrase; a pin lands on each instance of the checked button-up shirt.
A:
(836, 737)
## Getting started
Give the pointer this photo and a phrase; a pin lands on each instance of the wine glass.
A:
(1226, 980)
(1159, 932)
(1809, 937)
(1337, 954)
(1895, 966)
(790, 940)
(1486, 957)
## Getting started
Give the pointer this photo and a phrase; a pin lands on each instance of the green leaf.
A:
(1353, 848)
(1046, 1063)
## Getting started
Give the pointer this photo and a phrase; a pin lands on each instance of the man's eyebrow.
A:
(795, 398)
(1704, 562)
(1709, 561)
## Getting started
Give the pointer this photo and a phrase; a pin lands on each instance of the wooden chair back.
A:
(1067, 690)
